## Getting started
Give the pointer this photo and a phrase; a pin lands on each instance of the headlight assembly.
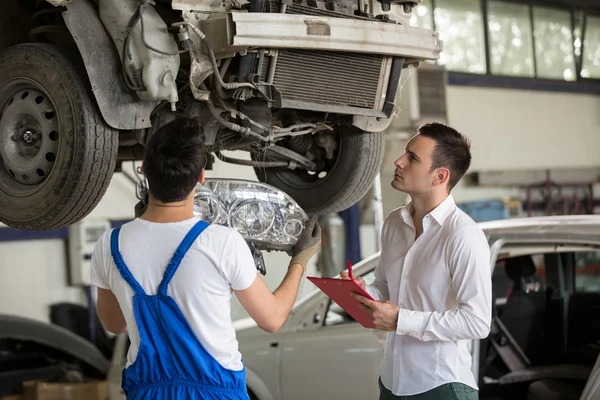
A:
(264, 215)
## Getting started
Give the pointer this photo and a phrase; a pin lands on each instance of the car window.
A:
(336, 314)
(587, 272)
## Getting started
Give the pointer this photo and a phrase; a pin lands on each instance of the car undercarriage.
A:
(306, 88)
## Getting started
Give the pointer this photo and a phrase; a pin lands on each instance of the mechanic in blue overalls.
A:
(168, 278)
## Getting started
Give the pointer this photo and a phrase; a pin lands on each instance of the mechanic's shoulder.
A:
(102, 246)
(223, 233)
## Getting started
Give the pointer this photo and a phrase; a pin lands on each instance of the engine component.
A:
(253, 163)
(329, 81)
(300, 144)
(149, 52)
(202, 63)
(326, 80)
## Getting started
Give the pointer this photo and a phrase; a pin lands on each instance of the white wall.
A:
(33, 276)
(518, 129)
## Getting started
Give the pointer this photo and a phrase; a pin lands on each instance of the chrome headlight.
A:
(262, 214)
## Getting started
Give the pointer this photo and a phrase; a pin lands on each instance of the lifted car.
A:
(307, 87)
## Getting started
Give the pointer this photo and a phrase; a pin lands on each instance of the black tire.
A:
(350, 177)
(75, 161)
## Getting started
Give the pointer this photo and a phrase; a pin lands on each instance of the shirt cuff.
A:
(409, 322)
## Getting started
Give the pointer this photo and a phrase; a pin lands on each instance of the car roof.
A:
(558, 225)
(585, 228)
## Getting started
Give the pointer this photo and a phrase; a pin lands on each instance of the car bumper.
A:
(288, 31)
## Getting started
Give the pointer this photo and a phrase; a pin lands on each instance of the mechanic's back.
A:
(168, 277)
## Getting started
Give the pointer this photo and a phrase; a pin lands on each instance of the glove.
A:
(308, 243)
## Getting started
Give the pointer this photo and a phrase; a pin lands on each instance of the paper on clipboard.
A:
(339, 291)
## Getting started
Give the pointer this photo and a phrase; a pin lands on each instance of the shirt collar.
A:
(439, 214)
(406, 214)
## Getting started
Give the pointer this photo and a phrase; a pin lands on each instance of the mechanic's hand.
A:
(384, 313)
(345, 275)
(308, 243)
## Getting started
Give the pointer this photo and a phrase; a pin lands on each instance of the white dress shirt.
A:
(442, 284)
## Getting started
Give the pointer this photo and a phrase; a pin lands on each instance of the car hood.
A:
(53, 336)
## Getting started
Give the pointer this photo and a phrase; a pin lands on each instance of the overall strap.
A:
(185, 245)
(121, 267)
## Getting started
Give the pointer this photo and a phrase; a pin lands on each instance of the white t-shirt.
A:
(217, 263)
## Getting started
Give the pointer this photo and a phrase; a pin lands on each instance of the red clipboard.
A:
(339, 291)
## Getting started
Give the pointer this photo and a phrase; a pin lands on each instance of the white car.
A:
(545, 336)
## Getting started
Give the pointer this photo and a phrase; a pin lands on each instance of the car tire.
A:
(349, 178)
(57, 153)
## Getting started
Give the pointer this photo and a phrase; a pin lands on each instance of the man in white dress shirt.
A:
(433, 281)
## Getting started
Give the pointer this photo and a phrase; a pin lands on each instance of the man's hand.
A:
(308, 243)
(384, 313)
(344, 275)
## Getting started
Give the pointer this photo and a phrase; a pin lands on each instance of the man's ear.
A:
(201, 179)
(441, 176)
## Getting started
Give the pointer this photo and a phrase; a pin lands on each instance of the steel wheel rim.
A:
(29, 136)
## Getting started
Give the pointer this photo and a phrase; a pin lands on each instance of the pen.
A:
(350, 270)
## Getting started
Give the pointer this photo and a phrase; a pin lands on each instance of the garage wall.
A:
(519, 129)
(33, 275)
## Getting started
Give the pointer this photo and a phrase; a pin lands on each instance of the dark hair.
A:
(174, 158)
(452, 150)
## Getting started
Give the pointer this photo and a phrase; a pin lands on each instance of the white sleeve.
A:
(237, 262)
(99, 272)
(469, 262)
(379, 288)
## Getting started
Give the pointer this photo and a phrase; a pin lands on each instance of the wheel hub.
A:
(28, 136)
(324, 153)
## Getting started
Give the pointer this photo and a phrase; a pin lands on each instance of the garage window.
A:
(422, 15)
(460, 24)
(507, 38)
(591, 49)
(554, 44)
(510, 39)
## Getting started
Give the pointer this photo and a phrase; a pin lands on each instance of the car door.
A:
(340, 359)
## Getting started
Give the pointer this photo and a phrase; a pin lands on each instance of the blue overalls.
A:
(171, 362)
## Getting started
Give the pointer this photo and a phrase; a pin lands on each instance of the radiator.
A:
(328, 81)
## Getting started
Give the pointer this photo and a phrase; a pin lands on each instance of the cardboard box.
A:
(65, 391)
